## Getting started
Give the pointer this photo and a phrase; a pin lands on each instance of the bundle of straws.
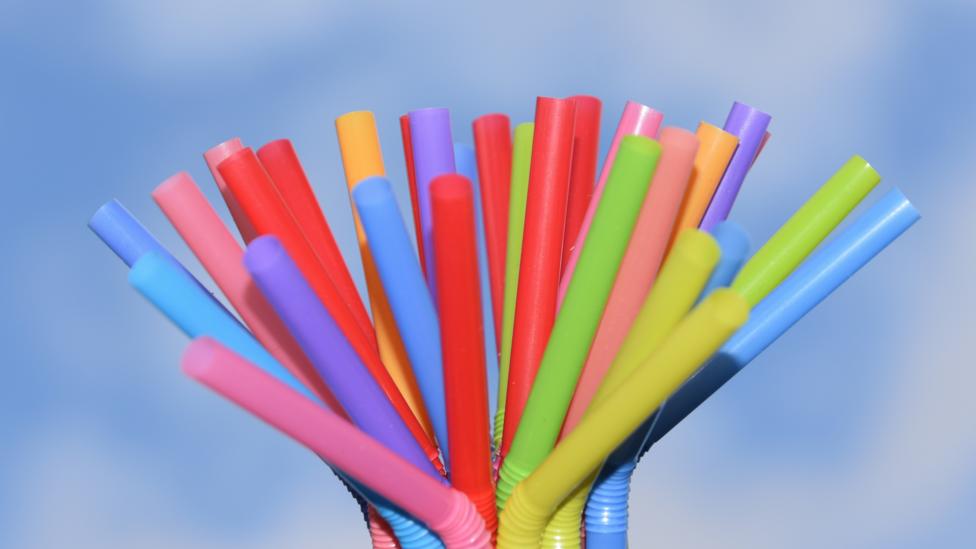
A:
(594, 311)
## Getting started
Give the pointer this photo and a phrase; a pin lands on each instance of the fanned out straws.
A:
(594, 311)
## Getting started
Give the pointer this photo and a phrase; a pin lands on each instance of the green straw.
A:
(578, 318)
(806, 229)
(521, 155)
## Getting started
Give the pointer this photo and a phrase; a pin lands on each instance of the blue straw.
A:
(733, 241)
(815, 279)
(465, 160)
(407, 293)
(195, 312)
(124, 234)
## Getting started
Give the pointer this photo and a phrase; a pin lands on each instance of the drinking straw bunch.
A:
(594, 309)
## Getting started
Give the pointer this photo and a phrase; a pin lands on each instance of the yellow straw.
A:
(581, 453)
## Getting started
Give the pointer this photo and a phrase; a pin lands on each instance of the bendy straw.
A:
(680, 282)
(814, 280)
(464, 159)
(542, 239)
(407, 293)
(215, 247)
(359, 145)
(586, 147)
(412, 182)
(715, 149)
(521, 158)
(749, 125)
(256, 194)
(823, 272)
(462, 341)
(281, 162)
(433, 155)
(579, 316)
(806, 228)
(444, 510)
(637, 119)
(493, 147)
(189, 307)
(356, 388)
(213, 157)
(582, 451)
(645, 252)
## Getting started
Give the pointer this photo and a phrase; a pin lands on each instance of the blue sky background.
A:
(855, 430)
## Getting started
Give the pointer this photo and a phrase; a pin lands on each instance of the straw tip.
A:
(728, 307)
(104, 213)
(147, 268)
(200, 356)
(697, 247)
(372, 190)
(172, 183)
(216, 154)
(277, 145)
(450, 186)
(352, 117)
(641, 145)
(262, 253)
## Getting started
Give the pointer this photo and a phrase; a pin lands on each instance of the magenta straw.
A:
(433, 155)
(749, 125)
(329, 351)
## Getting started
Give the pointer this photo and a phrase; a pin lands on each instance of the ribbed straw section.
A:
(508, 477)
(607, 509)
(485, 505)
(499, 426)
(464, 528)
(521, 522)
(380, 533)
(563, 530)
(409, 533)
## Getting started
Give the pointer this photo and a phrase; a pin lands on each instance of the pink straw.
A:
(190, 213)
(637, 119)
(214, 156)
(444, 510)
(640, 265)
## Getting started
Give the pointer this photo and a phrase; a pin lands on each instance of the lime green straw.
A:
(806, 229)
(521, 155)
(578, 318)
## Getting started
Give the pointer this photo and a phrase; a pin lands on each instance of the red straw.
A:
(264, 208)
(586, 144)
(281, 162)
(462, 341)
(493, 146)
(545, 219)
(412, 180)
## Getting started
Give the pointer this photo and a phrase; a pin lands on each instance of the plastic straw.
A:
(189, 307)
(124, 234)
(327, 348)
(814, 280)
(281, 162)
(214, 156)
(586, 147)
(256, 194)
(749, 125)
(643, 258)
(464, 158)
(493, 146)
(684, 274)
(583, 450)
(733, 241)
(433, 155)
(715, 148)
(215, 247)
(407, 293)
(637, 119)
(446, 511)
(362, 157)
(412, 180)
(462, 341)
(806, 228)
(521, 158)
(579, 316)
(542, 239)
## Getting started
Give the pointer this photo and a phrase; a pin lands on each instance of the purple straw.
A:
(326, 347)
(749, 125)
(433, 155)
